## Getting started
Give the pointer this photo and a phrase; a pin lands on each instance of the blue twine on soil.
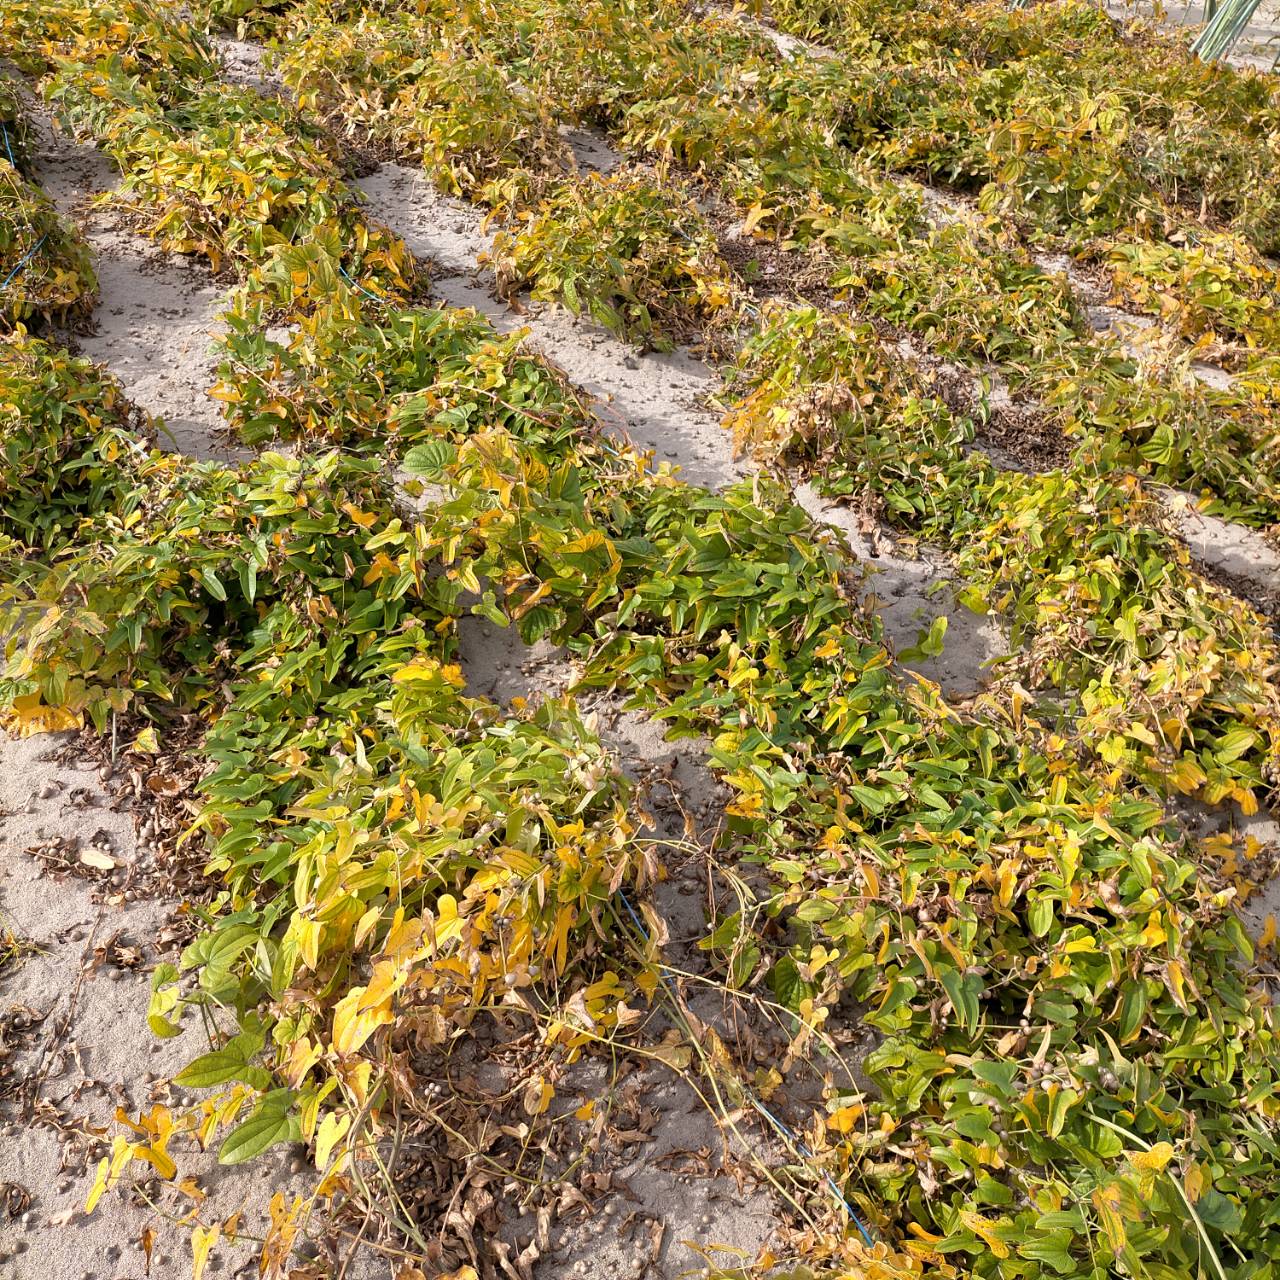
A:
(791, 1137)
(31, 253)
(9, 149)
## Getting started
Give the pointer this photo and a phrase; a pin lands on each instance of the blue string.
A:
(758, 1105)
(666, 976)
(373, 297)
(31, 253)
(808, 1155)
(5, 128)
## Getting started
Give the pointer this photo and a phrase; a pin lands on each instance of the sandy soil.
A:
(74, 1042)
(1239, 557)
(85, 989)
(157, 314)
(1257, 47)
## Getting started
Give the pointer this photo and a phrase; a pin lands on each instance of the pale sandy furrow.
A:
(157, 313)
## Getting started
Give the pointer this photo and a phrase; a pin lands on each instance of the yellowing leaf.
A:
(755, 216)
(333, 1128)
(352, 1026)
(985, 1229)
(202, 1240)
(30, 715)
(1154, 1160)
(537, 1096)
(845, 1118)
(1154, 935)
(1268, 934)
(365, 519)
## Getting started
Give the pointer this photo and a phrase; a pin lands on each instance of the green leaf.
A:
(788, 986)
(216, 1067)
(870, 799)
(1216, 1211)
(963, 991)
(430, 459)
(929, 644)
(1040, 916)
(271, 1122)
(1133, 1009)
(1053, 1248)
(1231, 746)
(213, 584)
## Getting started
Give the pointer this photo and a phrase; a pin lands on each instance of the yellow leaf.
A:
(365, 519)
(920, 1233)
(333, 1128)
(159, 1160)
(1008, 881)
(109, 1170)
(32, 716)
(558, 944)
(1268, 935)
(843, 1120)
(448, 925)
(1106, 1200)
(99, 1185)
(1187, 775)
(1153, 1160)
(1153, 935)
(202, 1240)
(353, 1026)
(871, 878)
(308, 934)
(364, 927)
(755, 216)
(986, 1230)
(537, 1096)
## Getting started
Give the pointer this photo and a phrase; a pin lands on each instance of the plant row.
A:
(719, 101)
(45, 270)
